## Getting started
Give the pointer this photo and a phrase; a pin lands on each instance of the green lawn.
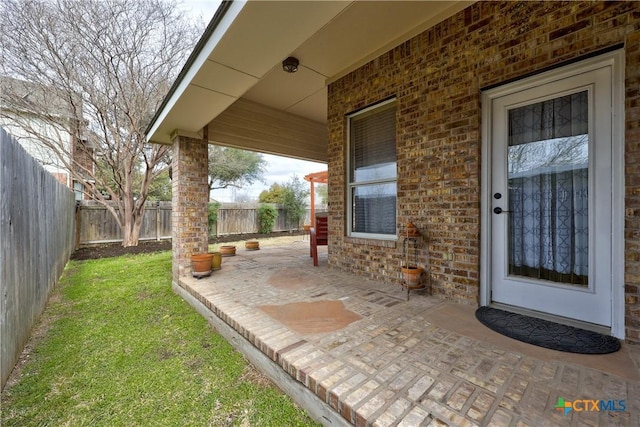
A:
(121, 349)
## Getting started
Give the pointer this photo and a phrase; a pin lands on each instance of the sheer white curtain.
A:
(548, 190)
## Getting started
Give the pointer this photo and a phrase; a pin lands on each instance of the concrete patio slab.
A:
(403, 363)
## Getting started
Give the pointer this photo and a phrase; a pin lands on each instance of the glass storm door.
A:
(551, 198)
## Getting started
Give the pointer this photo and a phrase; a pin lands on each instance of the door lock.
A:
(499, 210)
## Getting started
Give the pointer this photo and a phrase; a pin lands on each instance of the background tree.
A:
(292, 196)
(322, 191)
(295, 200)
(111, 62)
(232, 167)
(160, 188)
(275, 194)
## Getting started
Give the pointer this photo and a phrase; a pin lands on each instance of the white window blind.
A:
(372, 172)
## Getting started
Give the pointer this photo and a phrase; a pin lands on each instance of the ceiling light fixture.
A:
(290, 65)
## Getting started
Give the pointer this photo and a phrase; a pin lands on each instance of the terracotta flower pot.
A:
(411, 276)
(252, 245)
(228, 250)
(217, 261)
(412, 230)
(201, 263)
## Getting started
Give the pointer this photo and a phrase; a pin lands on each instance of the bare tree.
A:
(544, 154)
(108, 64)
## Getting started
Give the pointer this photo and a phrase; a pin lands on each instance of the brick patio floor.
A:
(380, 360)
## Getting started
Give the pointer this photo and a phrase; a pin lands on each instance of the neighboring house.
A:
(26, 111)
(507, 132)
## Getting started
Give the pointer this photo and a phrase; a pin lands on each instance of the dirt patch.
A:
(253, 375)
(38, 333)
(116, 249)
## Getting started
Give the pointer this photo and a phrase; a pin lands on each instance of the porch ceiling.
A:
(234, 80)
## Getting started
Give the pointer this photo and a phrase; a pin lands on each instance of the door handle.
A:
(499, 210)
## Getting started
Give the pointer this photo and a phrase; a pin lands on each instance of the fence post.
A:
(78, 224)
(157, 221)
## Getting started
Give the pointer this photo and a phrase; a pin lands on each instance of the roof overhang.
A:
(234, 83)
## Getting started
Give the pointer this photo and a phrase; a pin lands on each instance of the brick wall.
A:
(189, 228)
(436, 77)
(632, 186)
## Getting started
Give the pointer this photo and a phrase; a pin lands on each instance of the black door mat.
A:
(544, 333)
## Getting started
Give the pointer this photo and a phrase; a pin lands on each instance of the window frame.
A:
(351, 184)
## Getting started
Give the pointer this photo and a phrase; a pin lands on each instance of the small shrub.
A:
(212, 216)
(267, 216)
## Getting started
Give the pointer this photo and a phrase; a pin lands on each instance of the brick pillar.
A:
(189, 228)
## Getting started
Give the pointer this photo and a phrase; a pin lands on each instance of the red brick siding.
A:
(61, 177)
(436, 78)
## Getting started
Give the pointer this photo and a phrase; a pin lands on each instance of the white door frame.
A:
(614, 59)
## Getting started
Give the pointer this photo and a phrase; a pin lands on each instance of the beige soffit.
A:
(248, 40)
(242, 57)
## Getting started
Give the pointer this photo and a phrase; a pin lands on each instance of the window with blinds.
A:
(372, 172)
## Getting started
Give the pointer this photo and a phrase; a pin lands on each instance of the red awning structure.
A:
(313, 178)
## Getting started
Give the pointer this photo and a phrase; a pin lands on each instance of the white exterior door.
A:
(550, 192)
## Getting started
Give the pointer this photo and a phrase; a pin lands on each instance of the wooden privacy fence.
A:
(96, 225)
(242, 218)
(36, 241)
